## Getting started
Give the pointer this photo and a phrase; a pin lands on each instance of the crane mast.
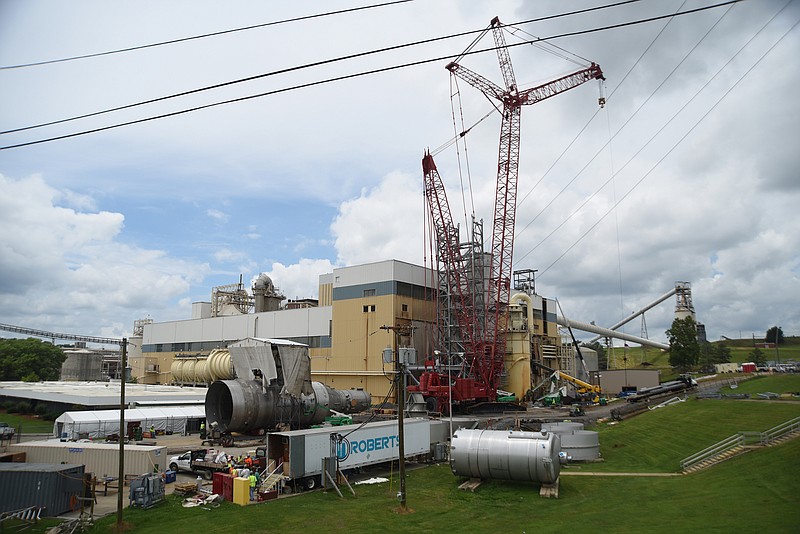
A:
(466, 322)
(490, 351)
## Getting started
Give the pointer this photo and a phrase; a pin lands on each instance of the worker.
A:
(253, 482)
(203, 430)
(152, 431)
(248, 461)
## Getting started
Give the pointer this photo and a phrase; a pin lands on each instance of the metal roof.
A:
(104, 393)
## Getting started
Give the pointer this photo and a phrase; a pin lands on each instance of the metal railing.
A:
(742, 439)
(736, 440)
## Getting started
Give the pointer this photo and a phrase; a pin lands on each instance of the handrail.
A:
(717, 448)
(741, 439)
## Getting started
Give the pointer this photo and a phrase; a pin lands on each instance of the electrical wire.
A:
(677, 143)
(621, 128)
(201, 36)
(311, 84)
(292, 69)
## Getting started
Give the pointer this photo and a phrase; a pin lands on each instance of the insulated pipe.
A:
(605, 332)
(527, 300)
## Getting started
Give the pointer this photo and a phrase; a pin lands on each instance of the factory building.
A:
(342, 329)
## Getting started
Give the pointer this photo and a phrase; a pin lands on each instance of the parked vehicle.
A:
(6, 431)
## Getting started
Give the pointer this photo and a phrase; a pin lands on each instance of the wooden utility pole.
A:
(399, 367)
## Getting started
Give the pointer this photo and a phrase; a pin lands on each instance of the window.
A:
(405, 307)
(372, 308)
(366, 309)
(369, 292)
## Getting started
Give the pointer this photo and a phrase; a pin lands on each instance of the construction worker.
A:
(152, 431)
(248, 461)
(253, 482)
(203, 430)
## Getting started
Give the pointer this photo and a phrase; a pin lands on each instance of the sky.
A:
(689, 173)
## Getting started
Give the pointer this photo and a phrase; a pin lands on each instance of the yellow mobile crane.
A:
(592, 391)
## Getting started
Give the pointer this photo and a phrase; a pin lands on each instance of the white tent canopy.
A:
(102, 423)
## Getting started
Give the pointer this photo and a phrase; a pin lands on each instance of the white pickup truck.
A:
(6, 431)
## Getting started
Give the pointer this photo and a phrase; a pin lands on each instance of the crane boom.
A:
(490, 351)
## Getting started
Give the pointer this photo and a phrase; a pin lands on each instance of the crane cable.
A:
(677, 143)
(621, 128)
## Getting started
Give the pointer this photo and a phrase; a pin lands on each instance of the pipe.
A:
(609, 333)
(527, 299)
(628, 319)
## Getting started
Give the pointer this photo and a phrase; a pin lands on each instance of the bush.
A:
(40, 410)
(23, 407)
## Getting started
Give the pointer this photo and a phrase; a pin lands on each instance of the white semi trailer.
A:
(299, 454)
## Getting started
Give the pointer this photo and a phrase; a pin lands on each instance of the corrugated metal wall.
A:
(99, 458)
(54, 487)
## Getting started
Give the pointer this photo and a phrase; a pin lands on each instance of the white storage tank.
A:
(506, 455)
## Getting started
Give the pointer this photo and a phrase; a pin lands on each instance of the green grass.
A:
(754, 492)
(658, 441)
(776, 383)
(29, 423)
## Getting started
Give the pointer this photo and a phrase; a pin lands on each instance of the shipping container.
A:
(55, 488)
(100, 459)
(301, 451)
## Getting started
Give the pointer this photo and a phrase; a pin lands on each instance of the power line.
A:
(349, 76)
(296, 68)
(202, 36)
(678, 142)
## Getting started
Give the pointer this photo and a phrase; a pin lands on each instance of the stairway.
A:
(721, 457)
(269, 483)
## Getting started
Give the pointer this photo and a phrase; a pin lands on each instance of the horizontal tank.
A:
(242, 406)
(506, 455)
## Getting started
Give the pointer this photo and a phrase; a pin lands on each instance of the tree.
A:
(774, 334)
(30, 359)
(758, 357)
(684, 349)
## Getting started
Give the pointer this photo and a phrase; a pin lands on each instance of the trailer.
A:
(299, 454)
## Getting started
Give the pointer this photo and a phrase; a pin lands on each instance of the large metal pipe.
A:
(242, 406)
(514, 455)
(632, 316)
(563, 321)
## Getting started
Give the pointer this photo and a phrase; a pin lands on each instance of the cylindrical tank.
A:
(241, 405)
(506, 455)
(581, 445)
(201, 371)
(562, 427)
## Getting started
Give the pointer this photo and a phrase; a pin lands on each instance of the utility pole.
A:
(399, 367)
(121, 474)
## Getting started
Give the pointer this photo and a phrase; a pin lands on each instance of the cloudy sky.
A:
(688, 174)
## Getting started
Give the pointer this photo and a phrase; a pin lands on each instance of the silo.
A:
(82, 366)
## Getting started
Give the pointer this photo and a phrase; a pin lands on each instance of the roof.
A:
(150, 414)
(104, 393)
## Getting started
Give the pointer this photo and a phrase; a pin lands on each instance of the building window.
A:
(366, 309)
(372, 308)
(405, 307)
(369, 293)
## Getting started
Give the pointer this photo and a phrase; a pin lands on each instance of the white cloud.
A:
(217, 215)
(300, 280)
(67, 270)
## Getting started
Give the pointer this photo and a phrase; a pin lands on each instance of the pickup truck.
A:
(6, 431)
(195, 462)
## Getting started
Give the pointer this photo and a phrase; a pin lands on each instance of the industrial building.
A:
(343, 331)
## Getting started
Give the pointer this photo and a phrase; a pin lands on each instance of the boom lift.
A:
(482, 331)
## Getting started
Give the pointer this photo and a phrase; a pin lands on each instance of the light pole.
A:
(777, 355)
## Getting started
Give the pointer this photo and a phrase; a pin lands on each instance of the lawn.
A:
(29, 423)
(780, 383)
(751, 493)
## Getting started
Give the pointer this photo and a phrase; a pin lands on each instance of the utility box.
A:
(241, 491)
(146, 491)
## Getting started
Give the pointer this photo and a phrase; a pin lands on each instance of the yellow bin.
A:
(241, 491)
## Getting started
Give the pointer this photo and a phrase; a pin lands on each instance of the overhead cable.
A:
(346, 77)
(202, 36)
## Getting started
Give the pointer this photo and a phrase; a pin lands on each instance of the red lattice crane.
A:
(486, 354)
